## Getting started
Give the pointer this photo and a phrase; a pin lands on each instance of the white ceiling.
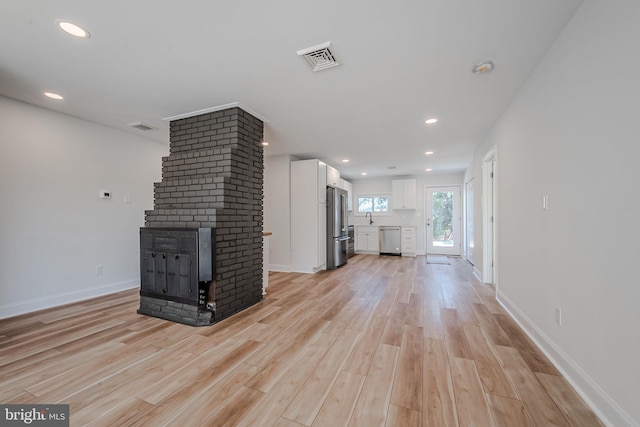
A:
(402, 62)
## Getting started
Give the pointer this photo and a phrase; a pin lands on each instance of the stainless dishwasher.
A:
(390, 241)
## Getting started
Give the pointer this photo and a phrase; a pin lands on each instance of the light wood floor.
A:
(382, 341)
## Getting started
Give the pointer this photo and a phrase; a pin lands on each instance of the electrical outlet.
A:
(558, 316)
(545, 202)
(99, 270)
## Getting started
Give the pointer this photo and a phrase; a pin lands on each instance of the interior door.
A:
(489, 223)
(469, 221)
(443, 220)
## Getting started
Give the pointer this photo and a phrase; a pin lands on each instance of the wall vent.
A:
(140, 126)
(319, 57)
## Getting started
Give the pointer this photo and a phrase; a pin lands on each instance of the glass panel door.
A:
(443, 220)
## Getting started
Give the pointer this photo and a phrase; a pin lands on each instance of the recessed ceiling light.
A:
(363, 173)
(73, 29)
(482, 67)
(54, 95)
(428, 169)
(345, 160)
(428, 153)
(431, 121)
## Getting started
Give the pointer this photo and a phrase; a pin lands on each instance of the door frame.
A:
(469, 219)
(489, 216)
(456, 250)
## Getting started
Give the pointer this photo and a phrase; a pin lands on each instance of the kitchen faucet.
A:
(370, 217)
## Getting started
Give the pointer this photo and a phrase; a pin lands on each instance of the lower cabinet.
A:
(367, 240)
(408, 245)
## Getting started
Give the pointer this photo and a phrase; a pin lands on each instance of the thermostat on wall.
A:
(104, 194)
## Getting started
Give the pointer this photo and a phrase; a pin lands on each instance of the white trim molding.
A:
(217, 108)
(23, 307)
(607, 410)
(280, 268)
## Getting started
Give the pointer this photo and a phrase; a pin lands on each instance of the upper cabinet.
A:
(346, 185)
(321, 184)
(333, 177)
(403, 194)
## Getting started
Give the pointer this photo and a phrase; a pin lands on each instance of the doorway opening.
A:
(443, 220)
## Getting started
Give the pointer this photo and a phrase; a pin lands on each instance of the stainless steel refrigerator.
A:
(337, 229)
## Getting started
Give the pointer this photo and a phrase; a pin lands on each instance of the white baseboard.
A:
(608, 410)
(477, 273)
(23, 307)
(280, 268)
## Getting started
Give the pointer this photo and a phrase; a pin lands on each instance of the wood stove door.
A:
(181, 273)
(154, 276)
(148, 277)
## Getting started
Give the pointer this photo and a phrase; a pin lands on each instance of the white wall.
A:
(416, 218)
(54, 230)
(277, 210)
(572, 133)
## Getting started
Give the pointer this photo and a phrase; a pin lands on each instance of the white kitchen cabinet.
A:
(403, 194)
(348, 187)
(308, 216)
(367, 239)
(265, 261)
(408, 241)
(333, 177)
(321, 183)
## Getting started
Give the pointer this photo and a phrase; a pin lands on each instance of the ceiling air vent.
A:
(319, 57)
(140, 125)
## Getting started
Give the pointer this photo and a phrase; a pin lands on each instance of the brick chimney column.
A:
(213, 177)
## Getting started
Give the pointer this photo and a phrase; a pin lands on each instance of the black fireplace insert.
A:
(177, 264)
